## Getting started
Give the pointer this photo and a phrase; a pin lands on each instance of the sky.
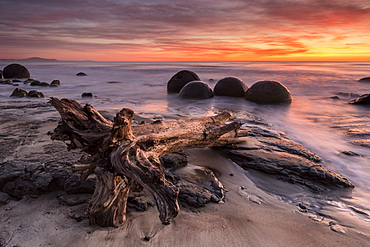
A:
(186, 30)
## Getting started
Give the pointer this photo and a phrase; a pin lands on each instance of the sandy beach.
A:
(248, 217)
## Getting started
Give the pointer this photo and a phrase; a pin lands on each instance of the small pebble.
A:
(146, 238)
(166, 223)
(231, 174)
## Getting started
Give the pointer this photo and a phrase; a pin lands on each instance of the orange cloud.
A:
(191, 30)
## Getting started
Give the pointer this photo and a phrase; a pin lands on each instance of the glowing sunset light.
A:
(202, 30)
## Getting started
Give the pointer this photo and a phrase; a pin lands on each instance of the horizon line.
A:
(39, 59)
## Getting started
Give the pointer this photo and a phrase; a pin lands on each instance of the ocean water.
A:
(314, 119)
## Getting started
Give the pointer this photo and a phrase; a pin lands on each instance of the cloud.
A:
(234, 28)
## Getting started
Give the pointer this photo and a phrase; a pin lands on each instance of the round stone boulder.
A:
(196, 90)
(268, 92)
(230, 86)
(180, 79)
(16, 71)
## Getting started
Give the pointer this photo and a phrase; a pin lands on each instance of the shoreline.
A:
(249, 216)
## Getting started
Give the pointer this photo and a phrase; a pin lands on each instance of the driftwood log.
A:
(124, 156)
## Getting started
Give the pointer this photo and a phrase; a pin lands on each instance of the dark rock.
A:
(44, 84)
(1, 74)
(284, 159)
(198, 185)
(87, 95)
(335, 97)
(81, 74)
(35, 83)
(41, 181)
(19, 93)
(365, 79)
(230, 86)
(180, 79)
(35, 94)
(73, 185)
(16, 80)
(74, 199)
(362, 100)
(173, 160)
(350, 153)
(15, 71)
(28, 81)
(268, 92)
(9, 82)
(4, 198)
(196, 90)
(10, 171)
(55, 83)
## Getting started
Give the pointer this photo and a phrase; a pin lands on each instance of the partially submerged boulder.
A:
(362, 100)
(268, 92)
(35, 83)
(230, 86)
(81, 74)
(196, 90)
(180, 79)
(365, 79)
(86, 95)
(55, 83)
(16, 71)
(35, 94)
(19, 93)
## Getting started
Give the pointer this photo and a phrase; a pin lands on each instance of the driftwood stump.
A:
(123, 156)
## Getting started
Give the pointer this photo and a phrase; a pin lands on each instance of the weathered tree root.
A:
(122, 154)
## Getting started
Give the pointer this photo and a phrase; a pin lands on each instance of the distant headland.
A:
(31, 59)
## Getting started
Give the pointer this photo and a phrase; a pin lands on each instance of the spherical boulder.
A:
(180, 79)
(268, 92)
(230, 86)
(16, 71)
(196, 90)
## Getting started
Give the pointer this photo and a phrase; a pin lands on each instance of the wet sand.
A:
(249, 216)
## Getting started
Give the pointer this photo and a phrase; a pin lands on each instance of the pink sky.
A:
(192, 30)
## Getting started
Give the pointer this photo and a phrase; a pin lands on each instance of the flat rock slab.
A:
(271, 152)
